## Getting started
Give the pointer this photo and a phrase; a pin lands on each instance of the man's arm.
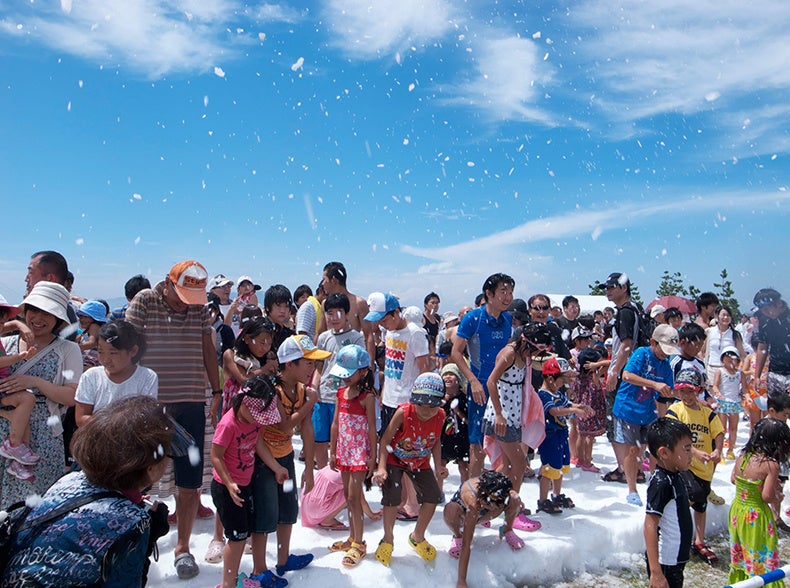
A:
(626, 347)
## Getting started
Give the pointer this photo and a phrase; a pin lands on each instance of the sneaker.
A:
(21, 453)
(294, 562)
(20, 471)
(267, 579)
(634, 499)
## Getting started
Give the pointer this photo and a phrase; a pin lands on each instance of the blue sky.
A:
(424, 144)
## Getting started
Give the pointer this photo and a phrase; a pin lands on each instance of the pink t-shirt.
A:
(239, 440)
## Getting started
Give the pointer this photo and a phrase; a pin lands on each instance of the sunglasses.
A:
(545, 307)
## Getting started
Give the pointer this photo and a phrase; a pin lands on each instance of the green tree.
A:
(635, 295)
(671, 285)
(694, 292)
(596, 290)
(727, 296)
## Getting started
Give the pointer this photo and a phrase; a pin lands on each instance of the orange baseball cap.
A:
(190, 279)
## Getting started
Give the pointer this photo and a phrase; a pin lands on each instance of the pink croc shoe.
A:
(514, 541)
(455, 547)
(524, 523)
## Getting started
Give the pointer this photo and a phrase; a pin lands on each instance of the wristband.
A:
(216, 393)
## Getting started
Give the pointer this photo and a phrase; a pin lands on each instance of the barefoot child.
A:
(479, 500)
(233, 450)
(353, 440)
(752, 528)
(17, 408)
(411, 439)
(668, 528)
(121, 346)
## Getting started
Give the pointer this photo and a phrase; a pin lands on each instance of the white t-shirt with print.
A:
(96, 389)
(403, 347)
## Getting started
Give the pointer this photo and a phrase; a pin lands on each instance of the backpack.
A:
(643, 325)
(14, 521)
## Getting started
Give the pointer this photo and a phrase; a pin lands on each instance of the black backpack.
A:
(14, 521)
(643, 325)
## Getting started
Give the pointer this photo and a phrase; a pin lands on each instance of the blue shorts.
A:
(554, 451)
(191, 416)
(474, 416)
(271, 505)
(323, 415)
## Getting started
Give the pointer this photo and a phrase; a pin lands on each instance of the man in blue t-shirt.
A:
(646, 375)
(484, 331)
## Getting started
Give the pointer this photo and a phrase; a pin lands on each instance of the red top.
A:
(413, 442)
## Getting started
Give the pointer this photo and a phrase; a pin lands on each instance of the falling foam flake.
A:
(137, 196)
(194, 455)
(79, 83)
(663, 252)
(261, 37)
(53, 422)
(205, 101)
(712, 96)
(298, 64)
(219, 72)
(405, 141)
(68, 106)
(137, 241)
(411, 87)
(536, 35)
(470, 164)
(288, 486)
(65, 6)
(79, 241)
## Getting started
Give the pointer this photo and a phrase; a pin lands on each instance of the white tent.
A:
(587, 303)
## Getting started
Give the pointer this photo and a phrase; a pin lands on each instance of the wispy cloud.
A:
(151, 37)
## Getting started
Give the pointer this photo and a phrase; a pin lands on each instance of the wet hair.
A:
(779, 401)
(52, 262)
(253, 328)
(303, 290)
(105, 303)
(249, 313)
(336, 271)
(770, 439)
(521, 344)
(338, 300)
(665, 432)
(259, 386)
(134, 285)
(588, 355)
(429, 296)
(494, 487)
(494, 281)
(706, 299)
(568, 300)
(213, 302)
(117, 445)
(538, 337)
(691, 332)
(277, 294)
(123, 335)
(479, 299)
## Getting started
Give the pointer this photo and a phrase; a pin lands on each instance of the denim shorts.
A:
(191, 416)
(273, 506)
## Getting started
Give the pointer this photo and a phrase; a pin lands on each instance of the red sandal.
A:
(704, 552)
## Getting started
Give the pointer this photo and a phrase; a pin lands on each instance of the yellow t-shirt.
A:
(705, 427)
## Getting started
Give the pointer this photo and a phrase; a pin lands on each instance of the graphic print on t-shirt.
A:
(395, 358)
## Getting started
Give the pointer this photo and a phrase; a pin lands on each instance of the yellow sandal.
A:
(344, 545)
(425, 549)
(355, 554)
(384, 553)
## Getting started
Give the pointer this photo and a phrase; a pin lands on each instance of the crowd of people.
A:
(379, 394)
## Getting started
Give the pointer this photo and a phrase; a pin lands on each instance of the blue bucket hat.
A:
(93, 309)
(349, 359)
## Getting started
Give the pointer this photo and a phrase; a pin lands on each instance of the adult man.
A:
(177, 326)
(570, 318)
(624, 339)
(485, 330)
(773, 340)
(334, 282)
(539, 308)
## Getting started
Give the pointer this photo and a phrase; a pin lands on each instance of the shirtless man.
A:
(334, 282)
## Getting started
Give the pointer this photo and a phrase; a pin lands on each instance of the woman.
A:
(51, 373)
(719, 336)
(106, 541)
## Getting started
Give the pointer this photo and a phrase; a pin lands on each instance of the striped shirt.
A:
(175, 344)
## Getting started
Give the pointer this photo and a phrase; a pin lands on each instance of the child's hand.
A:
(443, 472)
(235, 494)
(371, 465)
(380, 476)
(310, 395)
(307, 480)
(29, 352)
(715, 456)
(281, 475)
(332, 462)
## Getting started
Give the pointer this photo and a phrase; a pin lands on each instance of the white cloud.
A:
(368, 30)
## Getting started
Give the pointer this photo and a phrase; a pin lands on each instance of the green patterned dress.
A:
(753, 539)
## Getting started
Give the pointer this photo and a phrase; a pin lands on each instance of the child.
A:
(755, 402)
(17, 409)
(668, 528)
(589, 391)
(92, 315)
(353, 439)
(479, 500)
(455, 433)
(233, 450)
(554, 451)
(729, 382)
(337, 335)
(412, 437)
(691, 340)
(502, 418)
(120, 348)
(753, 537)
(646, 375)
(778, 407)
(277, 507)
(708, 441)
